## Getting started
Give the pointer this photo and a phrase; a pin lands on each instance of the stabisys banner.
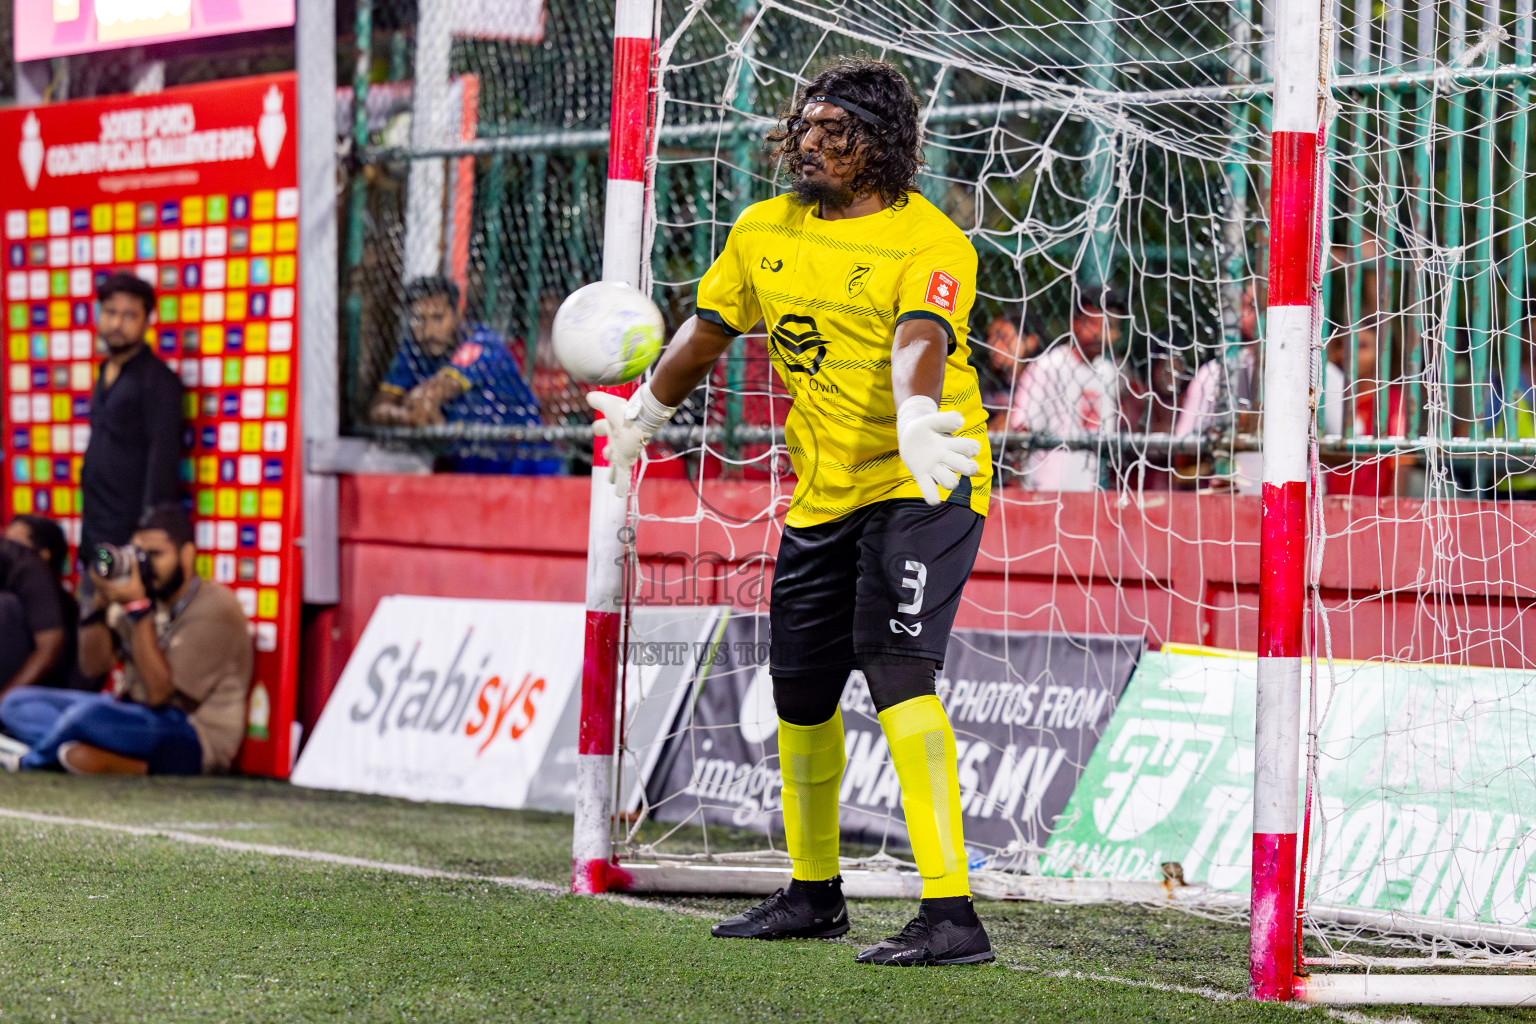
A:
(1423, 789)
(195, 190)
(1027, 710)
(448, 700)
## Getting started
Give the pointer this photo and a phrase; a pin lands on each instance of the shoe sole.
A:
(974, 958)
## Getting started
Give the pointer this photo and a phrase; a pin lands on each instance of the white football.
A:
(607, 333)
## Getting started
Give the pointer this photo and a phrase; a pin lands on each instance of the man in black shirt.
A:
(31, 618)
(133, 460)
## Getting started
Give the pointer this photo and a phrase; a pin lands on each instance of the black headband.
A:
(852, 108)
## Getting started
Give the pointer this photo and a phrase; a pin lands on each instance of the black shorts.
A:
(885, 580)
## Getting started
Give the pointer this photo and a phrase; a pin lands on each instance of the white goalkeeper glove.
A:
(933, 456)
(627, 426)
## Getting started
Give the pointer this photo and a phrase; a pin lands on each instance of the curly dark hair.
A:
(892, 155)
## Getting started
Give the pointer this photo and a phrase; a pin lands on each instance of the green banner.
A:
(1426, 786)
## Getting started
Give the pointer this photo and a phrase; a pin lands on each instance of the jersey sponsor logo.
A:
(772, 266)
(897, 626)
(857, 278)
(942, 291)
(466, 354)
(800, 342)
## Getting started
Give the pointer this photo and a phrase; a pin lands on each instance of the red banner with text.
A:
(195, 190)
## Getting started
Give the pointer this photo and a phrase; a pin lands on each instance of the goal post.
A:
(1384, 278)
(623, 258)
(1295, 215)
(1292, 620)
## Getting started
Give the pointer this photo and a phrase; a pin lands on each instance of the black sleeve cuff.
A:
(923, 314)
(717, 320)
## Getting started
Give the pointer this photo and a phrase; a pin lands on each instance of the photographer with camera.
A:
(133, 460)
(185, 648)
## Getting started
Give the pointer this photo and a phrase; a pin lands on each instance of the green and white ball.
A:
(607, 333)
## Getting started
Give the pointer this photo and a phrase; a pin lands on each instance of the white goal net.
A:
(1097, 682)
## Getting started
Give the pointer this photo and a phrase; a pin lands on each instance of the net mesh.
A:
(1123, 148)
(1126, 146)
(1119, 144)
(1421, 702)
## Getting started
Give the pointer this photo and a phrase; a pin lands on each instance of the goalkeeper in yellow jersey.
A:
(865, 289)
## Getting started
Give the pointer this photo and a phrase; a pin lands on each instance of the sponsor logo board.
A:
(448, 700)
(1422, 804)
(1027, 710)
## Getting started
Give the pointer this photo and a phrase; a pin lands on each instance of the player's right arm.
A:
(727, 306)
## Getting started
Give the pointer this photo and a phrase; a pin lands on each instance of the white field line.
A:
(320, 857)
(534, 885)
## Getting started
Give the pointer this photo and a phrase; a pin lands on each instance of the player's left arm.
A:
(936, 295)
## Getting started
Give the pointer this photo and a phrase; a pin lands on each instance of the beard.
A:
(828, 195)
(161, 589)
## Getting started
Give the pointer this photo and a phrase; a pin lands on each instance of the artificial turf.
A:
(96, 925)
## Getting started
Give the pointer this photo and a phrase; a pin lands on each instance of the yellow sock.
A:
(811, 761)
(923, 751)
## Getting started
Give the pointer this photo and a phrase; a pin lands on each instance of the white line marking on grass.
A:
(534, 885)
(292, 853)
(340, 860)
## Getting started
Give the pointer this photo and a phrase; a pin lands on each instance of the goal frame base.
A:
(1417, 989)
(760, 877)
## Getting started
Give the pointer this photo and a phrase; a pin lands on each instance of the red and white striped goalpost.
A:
(592, 867)
(1294, 240)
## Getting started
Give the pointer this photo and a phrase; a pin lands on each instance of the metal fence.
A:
(1426, 285)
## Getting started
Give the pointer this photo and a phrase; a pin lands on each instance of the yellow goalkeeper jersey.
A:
(831, 293)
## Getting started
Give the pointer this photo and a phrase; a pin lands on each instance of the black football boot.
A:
(945, 931)
(813, 910)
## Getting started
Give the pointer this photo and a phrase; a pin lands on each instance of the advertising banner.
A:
(448, 700)
(53, 28)
(1424, 803)
(1027, 710)
(195, 190)
(660, 664)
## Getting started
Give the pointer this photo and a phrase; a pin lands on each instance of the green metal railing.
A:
(1429, 188)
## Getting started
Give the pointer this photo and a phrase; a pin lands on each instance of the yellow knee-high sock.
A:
(923, 751)
(811, 761)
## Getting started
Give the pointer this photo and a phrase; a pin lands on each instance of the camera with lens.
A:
(115, 562)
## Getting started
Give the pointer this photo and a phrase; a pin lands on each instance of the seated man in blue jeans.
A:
(185, 648)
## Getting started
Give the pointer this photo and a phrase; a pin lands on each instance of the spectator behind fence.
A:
(45, 539)
(1221, 397)
(185, 648)
(1150, 405)
(1008, 349)
(1071, 391)
(449, 371)
(31, 620)
(133, 460)
(1365, 474)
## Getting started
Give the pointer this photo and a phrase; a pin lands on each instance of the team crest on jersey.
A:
(772, 266)
(942, 291)
(857, 278)
(800, 343)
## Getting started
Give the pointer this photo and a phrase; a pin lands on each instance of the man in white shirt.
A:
(1071, 391)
